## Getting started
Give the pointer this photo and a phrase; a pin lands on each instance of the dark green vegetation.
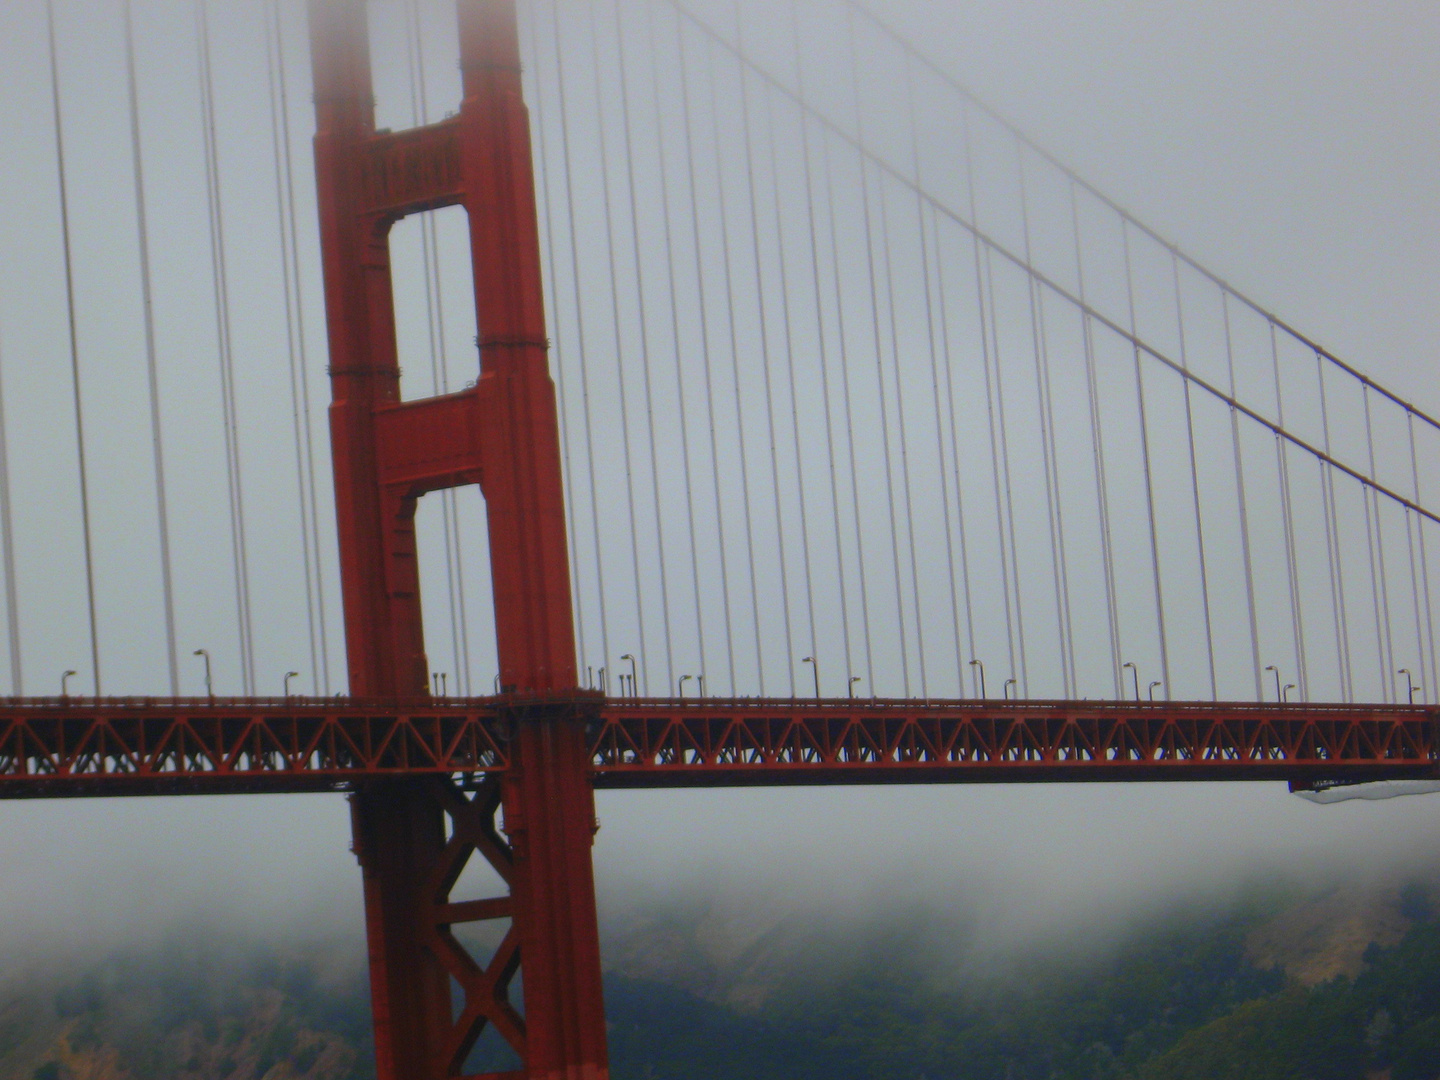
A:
(1184, 997)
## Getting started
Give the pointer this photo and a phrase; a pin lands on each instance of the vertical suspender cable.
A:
(439, 362)
(580, 330)
(1003, 467)
(543, 182)
(1287, 520)
(1415, 591)
(7, 539)
(274, 63)
(849, 414)
(1333, 549)
(705, 347)
(879, 357)
(934, 378)
(1047, 442)
(1195, 482)
(1145, 461)
(624, 75)
(1097, 447)
(74, 348)
(162, 516)
(1242, 505)
(675, 333)
(227, 368)
(1424, 557)
(604, 170)
(308, 488)
(724, 224)
(820, 349)
(902, 427)
(981, 263)
(790, 370)
(781, 553)
(960, 663)
(1380, 587)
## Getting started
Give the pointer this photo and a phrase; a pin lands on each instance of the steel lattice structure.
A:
(60, 748)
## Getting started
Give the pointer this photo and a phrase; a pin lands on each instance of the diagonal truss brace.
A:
(485, 989)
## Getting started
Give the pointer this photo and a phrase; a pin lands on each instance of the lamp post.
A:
(209, 686)
(815, 669)
(1154, 684)
(1279, 693)
(634, 692)
(981, 667)
(288, 676)
(1005, 690)
(680, 687)
(1409, 683)
(1285, 693)
(65, 678)
(1134, 674)
(851, 688)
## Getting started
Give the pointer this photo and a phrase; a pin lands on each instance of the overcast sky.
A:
(1291, 147)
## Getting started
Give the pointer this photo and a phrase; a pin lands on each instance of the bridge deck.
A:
(60, 748)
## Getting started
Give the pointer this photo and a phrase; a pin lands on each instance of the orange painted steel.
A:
(56, 749)
(501, 434)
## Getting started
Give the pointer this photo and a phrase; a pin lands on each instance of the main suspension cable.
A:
(1088, 311)
(971, 98)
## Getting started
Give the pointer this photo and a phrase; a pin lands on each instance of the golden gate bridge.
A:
(828, 430)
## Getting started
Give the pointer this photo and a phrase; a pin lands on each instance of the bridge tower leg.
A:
(503, 435)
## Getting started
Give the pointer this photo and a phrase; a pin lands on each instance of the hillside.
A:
(1277, 983)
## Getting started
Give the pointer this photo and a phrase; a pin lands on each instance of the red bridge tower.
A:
(502, 434)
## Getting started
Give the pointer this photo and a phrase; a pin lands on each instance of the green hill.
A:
(1278, 984)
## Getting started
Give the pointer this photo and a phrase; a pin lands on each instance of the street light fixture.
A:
(1409, 682)
(209, 686)
(681, 685)
(1279, 693)
(64, 678)
(978, 664)
(815, 669)
(288, 676)
(633, 684)
(1154, 684)
(1285, 694)
(1134, 674)
(853, 680)
(1005, 690)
